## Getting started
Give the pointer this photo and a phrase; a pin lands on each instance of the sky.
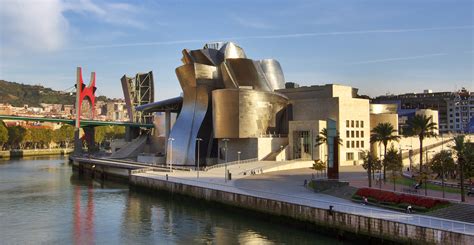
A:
(378, 46)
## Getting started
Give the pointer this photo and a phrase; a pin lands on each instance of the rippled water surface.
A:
(42, 202)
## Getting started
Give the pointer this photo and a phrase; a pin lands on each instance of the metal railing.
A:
(412, 219)
(220, 165)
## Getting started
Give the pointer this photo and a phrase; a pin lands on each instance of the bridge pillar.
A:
(77, 142)
(89, 136)
(131, 133)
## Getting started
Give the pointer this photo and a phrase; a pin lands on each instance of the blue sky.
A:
(378, 46)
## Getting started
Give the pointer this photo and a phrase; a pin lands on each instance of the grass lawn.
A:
(411, 183)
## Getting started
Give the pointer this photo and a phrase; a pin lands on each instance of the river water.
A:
(42, 202)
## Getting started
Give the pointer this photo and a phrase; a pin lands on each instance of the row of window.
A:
(354, 134)
(350, 156)
(354, 144)
(354, 124)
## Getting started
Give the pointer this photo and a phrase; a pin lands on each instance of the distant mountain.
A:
(18, 94)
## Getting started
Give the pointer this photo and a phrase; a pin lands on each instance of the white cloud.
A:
(36, 25)
(41, 26)
(112, 13)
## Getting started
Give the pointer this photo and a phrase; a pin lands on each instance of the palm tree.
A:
(383, 133)
(460, 147)
(423, 127)
(393, 161)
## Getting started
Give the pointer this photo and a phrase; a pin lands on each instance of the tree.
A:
(3, 134)
(442, 163)
(369, 163)
(460, 149)
(468, 167)
(422, 127)
(99, 134)
(393, 162)
(319, 165)
(16, 135)
(64, 135)
(383, 133)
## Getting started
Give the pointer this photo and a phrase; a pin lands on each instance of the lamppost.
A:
(225, 164)
(199, 143)
(170, 140)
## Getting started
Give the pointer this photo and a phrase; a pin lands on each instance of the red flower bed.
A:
(391, 197)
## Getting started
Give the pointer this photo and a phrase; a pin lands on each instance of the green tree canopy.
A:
(384, 133)
(3, 134)
(422, 127)
(442, 163)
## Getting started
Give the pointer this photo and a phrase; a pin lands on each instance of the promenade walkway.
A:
(288, 186)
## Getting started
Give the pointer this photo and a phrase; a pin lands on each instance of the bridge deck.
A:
(72, 121)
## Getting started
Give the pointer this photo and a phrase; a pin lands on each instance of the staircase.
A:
(457, 211)
(132, 149)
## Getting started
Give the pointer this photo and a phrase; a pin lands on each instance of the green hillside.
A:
(18, 94)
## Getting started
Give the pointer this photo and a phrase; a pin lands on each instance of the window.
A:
(361, 154)
(352, 144)
(357, 144)
(357, 134)
(347, 123)
(352, 123)
(347, 133)
(362, 144)
(352, 134)
(362, 134)
(350, 156)
(348, 144)
(357, 124)
(361, 124)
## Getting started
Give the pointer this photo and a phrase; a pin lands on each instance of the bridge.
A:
(84, 123)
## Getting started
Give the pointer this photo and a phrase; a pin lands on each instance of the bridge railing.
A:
(220, 165)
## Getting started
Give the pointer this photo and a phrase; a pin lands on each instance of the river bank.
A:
(290, 201)
(35, 152)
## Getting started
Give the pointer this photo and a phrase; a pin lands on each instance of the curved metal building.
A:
(225, 94)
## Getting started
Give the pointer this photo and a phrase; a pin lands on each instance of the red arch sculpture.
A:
(83, 91)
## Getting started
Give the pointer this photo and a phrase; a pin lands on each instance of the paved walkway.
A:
(288, 186)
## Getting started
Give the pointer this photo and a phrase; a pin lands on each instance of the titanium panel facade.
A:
(220, 69)
(246, 113)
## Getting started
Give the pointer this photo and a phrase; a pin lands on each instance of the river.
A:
(42, 202)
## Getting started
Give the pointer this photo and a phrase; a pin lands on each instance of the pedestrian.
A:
(366, 201)
(305, 182)
(409, 209)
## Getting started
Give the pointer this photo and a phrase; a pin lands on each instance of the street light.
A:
(170, 140)
(225, 165)
(199, 143)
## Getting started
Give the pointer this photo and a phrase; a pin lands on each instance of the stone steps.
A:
(457, 211)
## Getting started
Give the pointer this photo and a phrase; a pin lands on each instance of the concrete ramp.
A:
(132, 149)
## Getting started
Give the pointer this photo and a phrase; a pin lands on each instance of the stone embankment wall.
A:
(38, 152)
(322, 218)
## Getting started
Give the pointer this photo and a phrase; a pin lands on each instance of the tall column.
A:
(167, 129)
(167, 124)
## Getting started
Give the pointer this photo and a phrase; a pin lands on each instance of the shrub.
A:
(400, 200)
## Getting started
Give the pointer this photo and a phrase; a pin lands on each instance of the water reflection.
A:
(43, 197)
